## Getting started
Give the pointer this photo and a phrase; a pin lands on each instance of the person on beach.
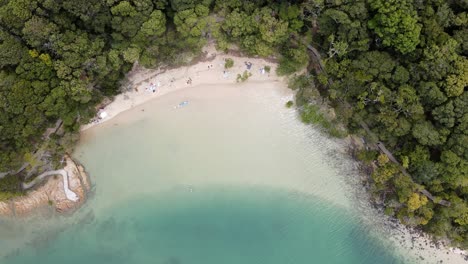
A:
(153, 88)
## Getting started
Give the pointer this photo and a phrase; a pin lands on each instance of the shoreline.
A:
(415, 245)
(172, 80)
(209, 71)
(50, 193)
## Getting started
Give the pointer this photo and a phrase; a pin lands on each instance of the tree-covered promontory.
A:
(399, 66)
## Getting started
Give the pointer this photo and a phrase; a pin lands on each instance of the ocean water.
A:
(214, 226)
(232, 177)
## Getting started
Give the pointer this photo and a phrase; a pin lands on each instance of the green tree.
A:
(444, 114)
(396, 23)
(427, 134)
(37, 31)
(415, 201)
(12, 50)
(192, 22)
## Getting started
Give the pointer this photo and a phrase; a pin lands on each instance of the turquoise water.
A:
(233, 177)
(214, 226)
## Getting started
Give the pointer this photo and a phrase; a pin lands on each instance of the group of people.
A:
(152, 87)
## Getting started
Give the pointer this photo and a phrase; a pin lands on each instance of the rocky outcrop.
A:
(51, 192)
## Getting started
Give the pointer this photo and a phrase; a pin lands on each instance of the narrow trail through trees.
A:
(315, 57)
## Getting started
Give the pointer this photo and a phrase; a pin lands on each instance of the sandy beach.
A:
(145, 85)
(148, 85)
(415, 247)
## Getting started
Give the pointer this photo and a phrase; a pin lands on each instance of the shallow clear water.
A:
(215, 226)
(232, 177)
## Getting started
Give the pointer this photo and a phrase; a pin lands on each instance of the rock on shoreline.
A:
(51, 193)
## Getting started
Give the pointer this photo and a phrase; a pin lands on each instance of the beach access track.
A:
(68, 193)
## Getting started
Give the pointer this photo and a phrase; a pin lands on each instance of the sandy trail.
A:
(68, 193)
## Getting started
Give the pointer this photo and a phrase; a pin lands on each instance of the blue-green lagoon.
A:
(233, 177)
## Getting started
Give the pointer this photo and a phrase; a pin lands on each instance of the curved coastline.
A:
(171, 80)
(209, 71)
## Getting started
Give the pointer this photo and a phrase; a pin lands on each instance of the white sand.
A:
(417, 249)
(210, 72)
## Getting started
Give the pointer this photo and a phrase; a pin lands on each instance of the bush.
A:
(8, 195)
(229, 63)
(267, 69)
(10, 183)
(243, 77)
(293, 60)
(367, 156)
(289, 104)
(389, 211)
(300, 82)
(285, 67)
(311, 114)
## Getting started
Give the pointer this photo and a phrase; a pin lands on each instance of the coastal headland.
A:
(50, 192)
(143, 86)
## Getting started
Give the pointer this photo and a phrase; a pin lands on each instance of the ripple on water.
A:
(215, 225)
(249, 163)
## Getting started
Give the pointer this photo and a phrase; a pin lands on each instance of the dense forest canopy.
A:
(399, 65)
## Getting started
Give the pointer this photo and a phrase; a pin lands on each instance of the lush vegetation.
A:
(401, 66)
(229, 63)
(59, 58)
(243, 77)
(398, 65)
